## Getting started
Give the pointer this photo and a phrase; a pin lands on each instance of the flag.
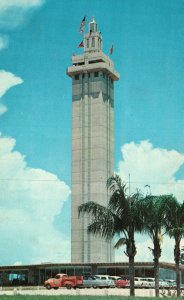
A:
(111, 50)
(83, 22)
(81, 45)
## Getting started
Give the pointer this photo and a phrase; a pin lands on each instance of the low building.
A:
(37, 274)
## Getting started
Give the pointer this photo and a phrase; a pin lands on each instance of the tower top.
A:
(93, 59)
(93, 25)
(93, 39)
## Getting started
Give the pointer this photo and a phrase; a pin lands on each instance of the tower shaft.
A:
(93, 78)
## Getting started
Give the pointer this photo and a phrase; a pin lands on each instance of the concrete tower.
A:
(93, 78)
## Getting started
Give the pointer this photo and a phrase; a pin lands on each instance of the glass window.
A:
(70, 271)
(111, 271)
(77, 77)
(102, 271)
(62, 271)
(96, 74)
(79, 271)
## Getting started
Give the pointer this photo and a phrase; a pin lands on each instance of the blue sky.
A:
(37, 39)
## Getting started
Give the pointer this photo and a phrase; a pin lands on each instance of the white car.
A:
(108, 281)
(92, 281)
(140, 282)
(151, 282)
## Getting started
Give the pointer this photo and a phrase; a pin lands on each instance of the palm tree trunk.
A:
(131, 275)
(156, 270)
(177, 264)
(131, 251)
(156, 253)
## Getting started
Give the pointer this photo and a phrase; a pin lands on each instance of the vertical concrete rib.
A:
(89, 161)
(83, 166)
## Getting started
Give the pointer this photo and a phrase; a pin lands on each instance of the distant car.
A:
(149, 282)
(104, 277)
(93, 281)
(140, 282)
(121, 283)
(170, 282)
(163, 283)
(63, 280)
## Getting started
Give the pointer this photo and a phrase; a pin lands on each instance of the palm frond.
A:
(92, 208)
(121, 242)
(117, 189)
(179, 232)
(101, 229)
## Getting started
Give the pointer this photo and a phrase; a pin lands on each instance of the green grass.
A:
(61, 297)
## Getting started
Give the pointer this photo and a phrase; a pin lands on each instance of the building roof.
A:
(164, 265)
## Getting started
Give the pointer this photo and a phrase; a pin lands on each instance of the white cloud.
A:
(7, 80)
(14, 13)
(145, 255)
(4, 42)
(7, 4)
(30, 200)
(167, 255)
(152, 166)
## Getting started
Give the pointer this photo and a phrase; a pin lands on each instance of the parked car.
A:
(104, 277)
(170, 282)
(163, 283)
(63, 280)
(121, 283)
(141, 282)
(138, 282)
(149, 282)
(108, 281)
(92, 281)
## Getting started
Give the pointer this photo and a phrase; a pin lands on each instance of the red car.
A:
(120, 282)
(63, 280)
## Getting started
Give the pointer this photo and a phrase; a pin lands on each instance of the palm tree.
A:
(174, 224)
(152, 216)
(118, 218)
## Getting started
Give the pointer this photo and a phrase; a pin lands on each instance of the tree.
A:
(152, 219)
(174, 224)
(120, 218)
